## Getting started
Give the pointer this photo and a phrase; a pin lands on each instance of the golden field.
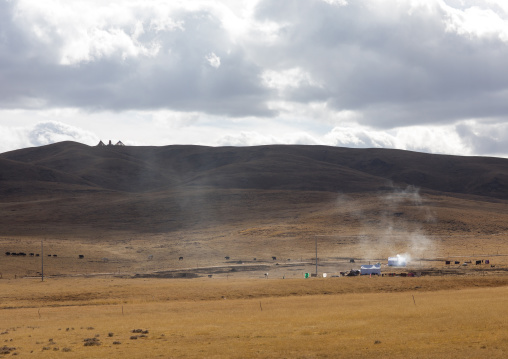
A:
(426, 317)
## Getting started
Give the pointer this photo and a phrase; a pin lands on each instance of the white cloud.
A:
(288, 79)
(254, 138)
(43, 133)
(477, 21)
(213, 60)
(443, 140)
(84, 32)
(336, 2)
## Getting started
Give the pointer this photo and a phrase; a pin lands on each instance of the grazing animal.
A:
(180, 259)
(274, 258)
(31, 254)
(81, 256)
(478, 262)
(227, 257)
(7, 253)
(54, 255)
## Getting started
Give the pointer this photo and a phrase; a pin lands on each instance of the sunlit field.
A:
(452, 317)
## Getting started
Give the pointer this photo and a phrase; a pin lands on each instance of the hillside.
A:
(58, 188)
(278, 167)
(247, 203)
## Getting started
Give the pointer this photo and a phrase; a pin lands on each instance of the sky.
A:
(420, 75)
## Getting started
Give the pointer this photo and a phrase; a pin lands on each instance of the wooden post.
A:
(316, 256)
(42, 262)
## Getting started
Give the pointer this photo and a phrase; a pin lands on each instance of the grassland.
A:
(453, 317)
(112, 220)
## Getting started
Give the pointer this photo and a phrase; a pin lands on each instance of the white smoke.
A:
(391, 224)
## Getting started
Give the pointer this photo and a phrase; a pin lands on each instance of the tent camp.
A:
(370, 269)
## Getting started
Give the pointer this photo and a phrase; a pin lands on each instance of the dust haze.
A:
(393, 224)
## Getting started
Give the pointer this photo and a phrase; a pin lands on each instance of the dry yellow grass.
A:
(323, 318)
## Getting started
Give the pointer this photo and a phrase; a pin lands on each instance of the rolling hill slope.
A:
(67, 186)
(279, 167)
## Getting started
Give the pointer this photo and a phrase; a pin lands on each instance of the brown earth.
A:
(145, 219)
(137, 210)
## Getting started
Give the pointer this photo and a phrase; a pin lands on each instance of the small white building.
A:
(367, 269)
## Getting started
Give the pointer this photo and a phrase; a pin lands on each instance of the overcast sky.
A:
(422, 75)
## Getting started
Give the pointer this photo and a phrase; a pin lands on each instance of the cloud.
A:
(413, 74)
(397, 62)
(43, 133)
(125, 56)
(252, 138)
(213, 60)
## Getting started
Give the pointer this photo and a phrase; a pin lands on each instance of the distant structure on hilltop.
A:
(119, 143)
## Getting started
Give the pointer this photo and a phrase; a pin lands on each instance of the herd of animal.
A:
(23, 254)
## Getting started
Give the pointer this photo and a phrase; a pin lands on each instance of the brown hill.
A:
(301, 168)
(64, 186)
(205, 202)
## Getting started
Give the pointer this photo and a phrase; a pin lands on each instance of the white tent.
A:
(370, 269)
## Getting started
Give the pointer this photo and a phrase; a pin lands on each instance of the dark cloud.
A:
(177, 77)
(400, 65)
(381, 66)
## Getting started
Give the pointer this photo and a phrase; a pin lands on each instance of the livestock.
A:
(274, 258)
(227, 257)
(351, 261)
(54, 255)
(180, 259)
(32, 254)
(81, 256)
(7, 253)
(478, 262)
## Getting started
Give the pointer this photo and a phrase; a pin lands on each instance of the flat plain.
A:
(269, 318)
